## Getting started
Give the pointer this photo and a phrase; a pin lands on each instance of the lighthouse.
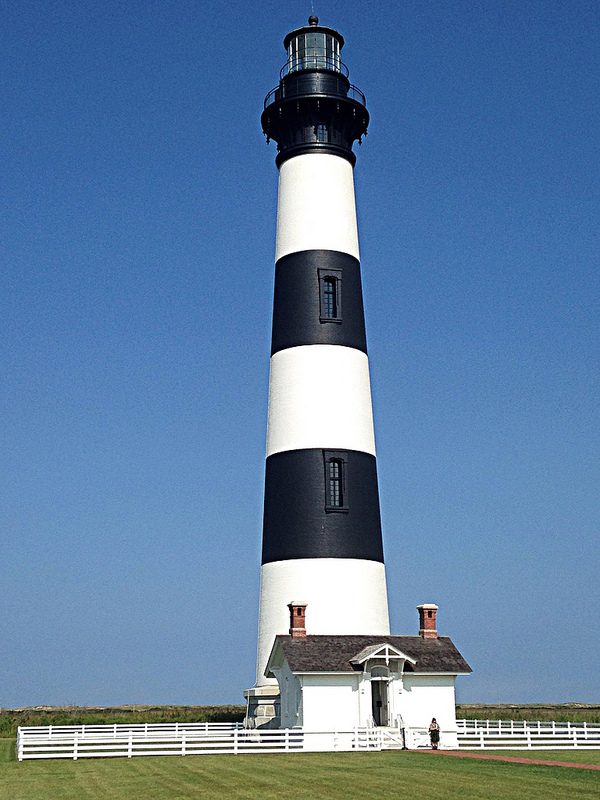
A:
(322, 546)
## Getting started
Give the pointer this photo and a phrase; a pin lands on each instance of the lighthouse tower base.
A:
(264, 707)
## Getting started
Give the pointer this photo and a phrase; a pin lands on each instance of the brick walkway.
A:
(513, 759)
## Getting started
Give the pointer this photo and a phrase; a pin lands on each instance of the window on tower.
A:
(336, 496)
(329, 298)
(335, 480)
(322, 133)
(330, 295)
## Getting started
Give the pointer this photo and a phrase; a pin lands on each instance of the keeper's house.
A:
(342, 682)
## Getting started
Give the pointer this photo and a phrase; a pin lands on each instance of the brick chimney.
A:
(427, 612)
(297, 619)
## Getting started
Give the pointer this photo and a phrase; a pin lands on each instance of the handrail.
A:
(278, 93)
(299, 63)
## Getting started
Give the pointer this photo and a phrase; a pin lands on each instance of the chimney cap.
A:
(428, 606)
(296, 603)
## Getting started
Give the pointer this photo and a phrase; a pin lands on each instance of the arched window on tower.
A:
(330, 295)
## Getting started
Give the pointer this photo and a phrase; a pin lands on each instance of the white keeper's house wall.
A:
(427, 696)
(330, 702)
(291, 697)
(326, 702)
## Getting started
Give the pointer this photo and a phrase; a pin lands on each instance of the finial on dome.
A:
(313, 20)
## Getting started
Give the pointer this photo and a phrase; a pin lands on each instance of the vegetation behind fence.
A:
(559, 712)
(11, 718)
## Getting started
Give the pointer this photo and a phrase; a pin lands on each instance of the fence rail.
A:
(493, 734)
(123, 730)
(103, 741)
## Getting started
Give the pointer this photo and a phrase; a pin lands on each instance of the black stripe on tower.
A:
(318, 300)
(301, 518)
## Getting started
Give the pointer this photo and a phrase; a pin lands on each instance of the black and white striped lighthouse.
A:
(322, 542)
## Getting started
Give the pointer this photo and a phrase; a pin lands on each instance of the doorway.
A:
(379, 699)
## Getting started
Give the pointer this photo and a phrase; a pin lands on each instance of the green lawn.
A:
(328, 776)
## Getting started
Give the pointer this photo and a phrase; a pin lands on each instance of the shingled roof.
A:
(335, 653)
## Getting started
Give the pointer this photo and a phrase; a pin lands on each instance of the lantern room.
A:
(313, 47)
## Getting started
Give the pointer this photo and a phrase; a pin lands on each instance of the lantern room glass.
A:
(314, 50)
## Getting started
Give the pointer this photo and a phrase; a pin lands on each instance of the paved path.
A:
(513, 759)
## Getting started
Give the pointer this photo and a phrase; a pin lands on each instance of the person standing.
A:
(434, 734)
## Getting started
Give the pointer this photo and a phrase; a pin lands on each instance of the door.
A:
(379, 695)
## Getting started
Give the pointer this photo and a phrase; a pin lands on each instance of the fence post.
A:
(75, 746)
(481, 739)
(235, 741)
(183, 743)
(575, 744)
(528, 736)
(130, 745)
(287, 738)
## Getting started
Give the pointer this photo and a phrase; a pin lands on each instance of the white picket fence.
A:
(202, 738)
(493, 734)
(97, 741)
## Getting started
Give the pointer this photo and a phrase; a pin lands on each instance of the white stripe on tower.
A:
(320, 396)
(316, 209)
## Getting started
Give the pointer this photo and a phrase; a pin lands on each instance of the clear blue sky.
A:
(137, 242)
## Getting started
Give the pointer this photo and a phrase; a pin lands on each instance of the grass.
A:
(315, 776)
(8, 750)
(327, 776)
